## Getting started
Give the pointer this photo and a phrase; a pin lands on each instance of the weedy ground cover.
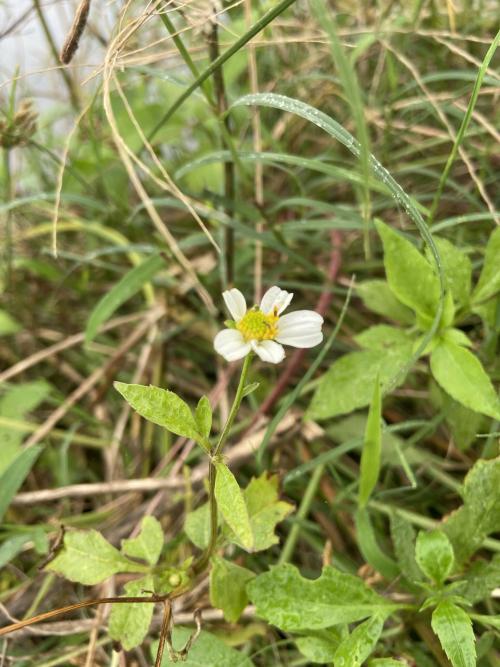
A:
(249, 408)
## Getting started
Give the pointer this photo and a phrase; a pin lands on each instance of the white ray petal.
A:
(275, 298)
(235, 302)
(231, 345)
(301, 340)
(269, 350)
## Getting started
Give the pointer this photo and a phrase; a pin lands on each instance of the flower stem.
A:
(202, 562)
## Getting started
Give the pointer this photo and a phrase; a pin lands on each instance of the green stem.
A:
(202, 562)
(8, 216)
(305, 505)
(254, 30)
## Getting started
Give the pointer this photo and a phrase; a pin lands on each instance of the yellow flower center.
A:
(255, 325)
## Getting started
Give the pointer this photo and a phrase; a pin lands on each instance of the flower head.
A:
(262, 329)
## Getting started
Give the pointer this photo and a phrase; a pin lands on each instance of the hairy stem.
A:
(202, 562)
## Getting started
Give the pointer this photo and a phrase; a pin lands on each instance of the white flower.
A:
(261, 329)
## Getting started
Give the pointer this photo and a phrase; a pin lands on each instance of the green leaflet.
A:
(129, 622)
(457, 269)
(434, 555)
(286, 599)
(162, 407)
(378, 297)
(88, 558)
(479, 516)
(410, 276)
(15, 474)
(461, 374)
(370, 548)
(321, 646)
(348, 383)
(358, 646)
(232, 505)
(489, 280)
(207, 651)
(228, 587)
(203, 416)
(124, 289)
(197, 526)
(454, 629)
(403, 540)
(372, 448)
(8, 324)
(148, 544)
(383, 337)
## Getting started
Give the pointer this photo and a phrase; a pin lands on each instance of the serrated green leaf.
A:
(457, 269)
(320, 647)
(14, 475)
(378, 297)
(207, 651)
(489, 280)
(232, 505)
(161, 407)
(348, 383)
(454, 629)
(372, 448)
(480, 579)
(434, 555)
(129, 622)
(228, 587)
(286, 599)
(88, 558)
(403, 539)
(148, 544)
(479, 516)
(462, 376)
(124, 289)
(410, 276)
(203, 416)
(360, 644)
(265, 510)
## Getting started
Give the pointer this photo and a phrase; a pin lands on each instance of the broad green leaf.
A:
(403, 539)
(8, 324)
(410, 276)
(348, 383)
(16, 403)
(203, 416)
(387, 662)
(382, 337)
(124, 289)
(434, 555)
(489, 280)
(359, 645)
(15, 474)
(228, 587)
(197, 526)
(479, 516)
(457, 270)
(464, 423)
(265, 510)
(378, 297)
(207, 651)
(462, 376)
(232, 505)
(286, 599)
(320, 647)
(372, 448)
(129, 622)
(88, 558)
(148, 544)
(370, 549)
(161, 407)
(454, 629)
(480, 579)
